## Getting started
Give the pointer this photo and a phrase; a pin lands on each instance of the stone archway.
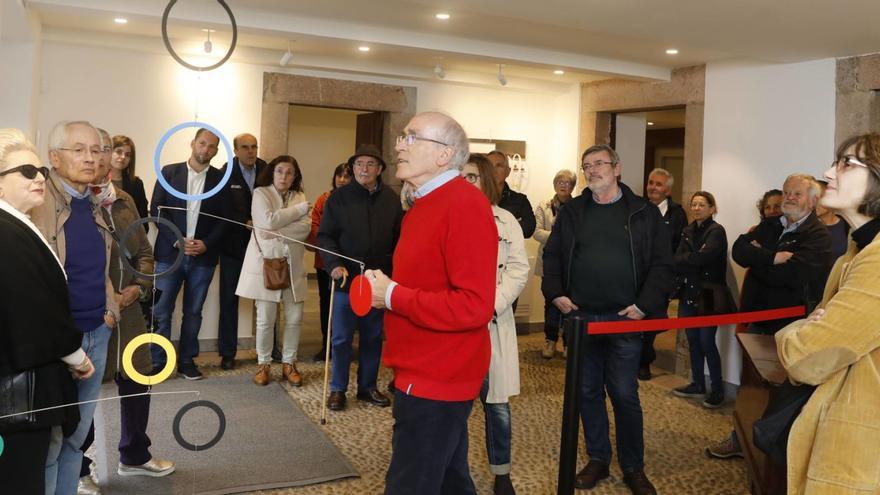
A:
(282, 90)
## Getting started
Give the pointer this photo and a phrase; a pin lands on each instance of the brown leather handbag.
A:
(276, 271)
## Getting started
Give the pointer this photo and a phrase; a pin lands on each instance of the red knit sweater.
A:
(437, 330)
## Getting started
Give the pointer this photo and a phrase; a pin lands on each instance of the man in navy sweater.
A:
(80, 237)
(202, 239)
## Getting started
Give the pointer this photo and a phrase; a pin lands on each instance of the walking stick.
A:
(327, 351)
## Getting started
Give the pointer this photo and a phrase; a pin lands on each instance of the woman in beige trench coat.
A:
(834, 445)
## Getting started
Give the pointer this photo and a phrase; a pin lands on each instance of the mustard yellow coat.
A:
(834, 446)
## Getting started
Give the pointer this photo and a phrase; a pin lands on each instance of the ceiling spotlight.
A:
(120, 20)
(285, 59)
(650, 123)
(208, 45)
(438, 71)
(363, 48)
(443, 16)
(672, 51)
(501, 79)
(559, 72)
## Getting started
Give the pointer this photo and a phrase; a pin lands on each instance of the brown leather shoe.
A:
(638, 483)
(591, 474)
(291, 374)
(374, 397)
(263, 374)
(336, 401)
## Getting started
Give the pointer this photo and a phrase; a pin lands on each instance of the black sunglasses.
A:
(28, 171)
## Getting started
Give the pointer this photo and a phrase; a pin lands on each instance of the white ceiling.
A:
(590, 39)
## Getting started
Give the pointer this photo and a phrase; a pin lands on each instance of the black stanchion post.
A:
(574, 328)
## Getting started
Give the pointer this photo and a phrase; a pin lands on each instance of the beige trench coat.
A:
(511, 276)
(268, 213)
(834, 445)
(544, 219)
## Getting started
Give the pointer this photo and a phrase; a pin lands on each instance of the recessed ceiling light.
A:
(363, 48)
(443, 16)
(672, 51)
(120, 20)
(559, 72)
(650, 123)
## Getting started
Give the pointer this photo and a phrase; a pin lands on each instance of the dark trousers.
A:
(552, 321)
(227, 332)
(429, 447)
(648, 353)
(611, 363)
(702, 347)
(23, 461)
(323, 302)
(134, 412)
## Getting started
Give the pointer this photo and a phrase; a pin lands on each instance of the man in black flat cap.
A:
(362, 221)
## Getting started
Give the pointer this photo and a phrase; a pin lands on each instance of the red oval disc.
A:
(360, 295)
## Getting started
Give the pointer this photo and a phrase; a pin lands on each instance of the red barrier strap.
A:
(607, 327)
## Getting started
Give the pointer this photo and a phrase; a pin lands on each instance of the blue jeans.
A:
(611, 362)
(197, 279)
(370, 344)
(701, 343)
(65, 457)
(498, 432)
(429, 447)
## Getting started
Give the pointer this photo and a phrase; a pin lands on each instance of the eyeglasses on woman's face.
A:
(847, 162)
(28, 171)
(472, 178)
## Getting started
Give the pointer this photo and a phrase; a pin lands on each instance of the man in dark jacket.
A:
(246, 167)
(512, 201)
(203, 236)
(362, 221)
(608, 258)
(660, 182)
(788, 258)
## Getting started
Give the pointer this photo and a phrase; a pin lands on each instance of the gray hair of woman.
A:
(566, 174)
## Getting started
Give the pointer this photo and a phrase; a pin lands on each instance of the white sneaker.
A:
(154, 467)
(549, 349)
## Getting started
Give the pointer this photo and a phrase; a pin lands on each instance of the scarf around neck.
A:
(103, 194)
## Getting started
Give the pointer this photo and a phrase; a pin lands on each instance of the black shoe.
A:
(714, 400)
(374, 397)
(336, 401)
(691, 390)
(276, 355)
(593, 473)
(638, 483)
(320, 355)
(645, 373)
(189, 371)
(503, 485)
(227, 363)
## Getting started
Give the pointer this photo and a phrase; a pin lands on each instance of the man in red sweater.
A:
(438, 309)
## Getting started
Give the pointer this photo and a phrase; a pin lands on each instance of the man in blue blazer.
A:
(203, 236)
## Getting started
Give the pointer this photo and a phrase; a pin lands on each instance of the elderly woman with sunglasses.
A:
(835, 441)
(37, 333)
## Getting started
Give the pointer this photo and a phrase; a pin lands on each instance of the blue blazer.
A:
(209, 230)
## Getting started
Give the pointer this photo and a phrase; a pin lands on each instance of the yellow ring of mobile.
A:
(149, 338)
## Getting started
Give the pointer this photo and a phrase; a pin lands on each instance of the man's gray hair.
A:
(12, 140)
(58, 135)
(452, 133)
(598, 148)
(670, 179)
(814, 188)
(106, 140)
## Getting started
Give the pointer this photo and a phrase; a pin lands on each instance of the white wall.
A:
(629, 142)
(143, 94)
(762, 122)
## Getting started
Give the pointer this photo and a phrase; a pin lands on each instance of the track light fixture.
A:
(438, 71)
(285, 59)
(501, 79)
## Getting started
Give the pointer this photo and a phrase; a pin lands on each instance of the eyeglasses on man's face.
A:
(410, 139)
(587, 166)
(28, 171)
(81, 151)
(368, 164)
(847, 162)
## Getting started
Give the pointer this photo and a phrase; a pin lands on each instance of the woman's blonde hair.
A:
(13, 140)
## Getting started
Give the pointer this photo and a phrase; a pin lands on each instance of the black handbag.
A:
(770, 433)
(17, 396)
